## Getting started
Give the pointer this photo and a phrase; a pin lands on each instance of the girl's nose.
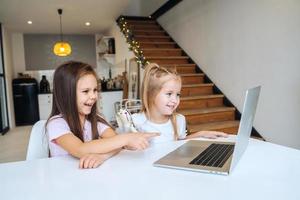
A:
(174, 99)
(94, 95)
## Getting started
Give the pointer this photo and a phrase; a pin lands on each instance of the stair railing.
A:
(134, 45)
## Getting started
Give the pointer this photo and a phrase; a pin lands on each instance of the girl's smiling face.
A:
(86, 94)
(168, 99)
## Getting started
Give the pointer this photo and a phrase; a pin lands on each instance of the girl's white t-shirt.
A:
(57, 126)
(166, 130)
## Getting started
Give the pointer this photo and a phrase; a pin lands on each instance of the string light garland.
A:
(133, 44)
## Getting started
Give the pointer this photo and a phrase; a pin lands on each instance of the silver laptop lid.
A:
(245, 126)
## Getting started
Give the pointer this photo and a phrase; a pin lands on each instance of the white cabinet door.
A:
(108, 99)
(45, 105)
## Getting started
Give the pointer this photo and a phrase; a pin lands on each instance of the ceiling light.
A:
(61, 48)
(29, 22)
(87, 23)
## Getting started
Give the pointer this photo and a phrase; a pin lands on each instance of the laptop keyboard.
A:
(214, 156)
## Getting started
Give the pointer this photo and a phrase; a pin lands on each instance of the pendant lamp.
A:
(61, 48)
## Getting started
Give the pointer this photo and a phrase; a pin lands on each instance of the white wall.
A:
(8, 67)
(122, 49)
(142, 7)
(240, 44)
(18, 54)
(133, 8)
(149, 7)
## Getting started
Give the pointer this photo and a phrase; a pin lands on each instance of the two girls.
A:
(74, 126)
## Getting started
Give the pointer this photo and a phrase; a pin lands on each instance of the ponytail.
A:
(154, 78)
(174, 124)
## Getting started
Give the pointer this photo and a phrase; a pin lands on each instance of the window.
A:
(3, 100)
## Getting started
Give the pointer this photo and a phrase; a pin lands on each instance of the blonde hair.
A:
(154, 78)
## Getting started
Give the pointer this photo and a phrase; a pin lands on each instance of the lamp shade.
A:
(62, 49)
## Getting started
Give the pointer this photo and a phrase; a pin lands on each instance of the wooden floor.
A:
(13, 145)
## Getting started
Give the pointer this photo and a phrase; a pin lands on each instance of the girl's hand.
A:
(92, 160)
(207, 134)
(211, 134)
(129, 148)
(138, 141)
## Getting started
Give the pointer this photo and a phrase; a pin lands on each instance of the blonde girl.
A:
(160, 97)
(74, 126)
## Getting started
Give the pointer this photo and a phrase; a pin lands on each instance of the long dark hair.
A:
(64, 101)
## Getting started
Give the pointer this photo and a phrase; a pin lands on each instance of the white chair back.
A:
(38, 146)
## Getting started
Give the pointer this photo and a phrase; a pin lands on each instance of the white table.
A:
(266, 171)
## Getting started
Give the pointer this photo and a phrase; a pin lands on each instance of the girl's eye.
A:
(85, 91)
(178, 95)
(169, 94)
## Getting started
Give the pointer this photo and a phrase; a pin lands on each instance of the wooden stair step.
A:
(169, 59)
(230, 127)
(196, 89)
(152, 38)
(181, 68)
(206, 110)
(140, 22)
(203, 97)
(162, 49)
(162, 52)
(206, 115)
(193, 78)
(157, 44)
(149, 32)
(201, 101)
(145, 27)
(198, 85)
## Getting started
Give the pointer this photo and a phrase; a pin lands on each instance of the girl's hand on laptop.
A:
(207, 134)
(211, 134)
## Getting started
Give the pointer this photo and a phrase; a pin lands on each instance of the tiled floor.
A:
(13, 145)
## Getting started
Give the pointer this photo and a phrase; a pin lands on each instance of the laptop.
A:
(212, 156)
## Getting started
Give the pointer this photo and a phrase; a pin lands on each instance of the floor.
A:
(13, 145)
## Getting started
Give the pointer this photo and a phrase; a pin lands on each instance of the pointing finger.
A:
(150, 135)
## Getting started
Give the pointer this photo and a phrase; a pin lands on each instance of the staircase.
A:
(201, 104)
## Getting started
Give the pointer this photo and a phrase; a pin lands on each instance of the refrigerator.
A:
(25, 94)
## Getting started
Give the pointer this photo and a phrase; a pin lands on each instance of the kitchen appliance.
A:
(25, 94)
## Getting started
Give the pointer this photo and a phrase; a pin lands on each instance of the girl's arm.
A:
(204, 134)
(94, 160)
(207, 134)
(108, 133)
(77, 148)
